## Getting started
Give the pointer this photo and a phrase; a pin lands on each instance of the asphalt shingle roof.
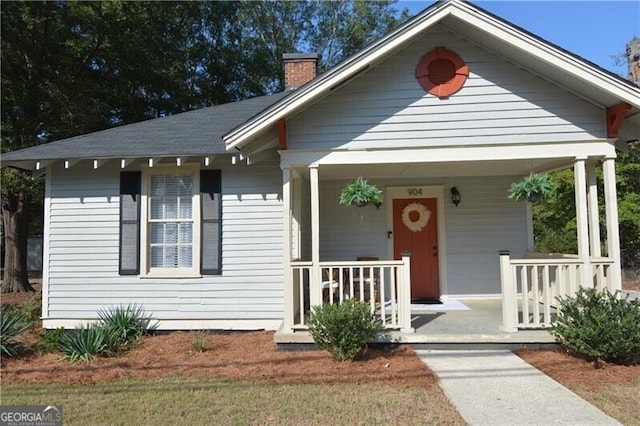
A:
(191, 133)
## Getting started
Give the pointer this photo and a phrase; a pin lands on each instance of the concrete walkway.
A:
(496, 387)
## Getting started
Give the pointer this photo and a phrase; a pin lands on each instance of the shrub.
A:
(200, 343)
(343, 329)
(124, 325)
(84, 342)
(50, 340)
(30, 310)
(601, 326)
(11, 327)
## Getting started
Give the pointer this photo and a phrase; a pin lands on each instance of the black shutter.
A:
(130, 183)
(211, 226)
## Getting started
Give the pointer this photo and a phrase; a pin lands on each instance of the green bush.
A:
(343, 329)
(600, 325)
(11, 327)
(84, 342)
(118, 329)
(124, 325)
(50, 340)
(30, 310)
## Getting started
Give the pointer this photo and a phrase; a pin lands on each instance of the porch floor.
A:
(478, 326)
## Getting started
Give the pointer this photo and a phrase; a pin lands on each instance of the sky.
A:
(595, 30)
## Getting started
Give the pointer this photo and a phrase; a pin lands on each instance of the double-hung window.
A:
(171, 223)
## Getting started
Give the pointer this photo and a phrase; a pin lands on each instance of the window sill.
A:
(170, 276)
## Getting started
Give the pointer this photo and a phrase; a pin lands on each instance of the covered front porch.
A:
(484, 251)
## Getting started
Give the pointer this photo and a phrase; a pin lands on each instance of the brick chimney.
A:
(299, 68)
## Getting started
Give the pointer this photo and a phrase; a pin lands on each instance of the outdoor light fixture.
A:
(455, 196)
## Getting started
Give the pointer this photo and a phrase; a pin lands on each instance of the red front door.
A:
(415, 229)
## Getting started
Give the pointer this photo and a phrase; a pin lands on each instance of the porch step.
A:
(301, 340)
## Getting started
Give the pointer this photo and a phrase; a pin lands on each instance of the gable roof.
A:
(543, 58)
(193, 133)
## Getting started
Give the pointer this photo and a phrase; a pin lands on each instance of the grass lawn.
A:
(620, 401)
(203, 401)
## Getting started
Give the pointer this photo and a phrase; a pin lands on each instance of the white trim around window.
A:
(146, 269)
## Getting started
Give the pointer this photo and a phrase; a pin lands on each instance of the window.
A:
(170, 222)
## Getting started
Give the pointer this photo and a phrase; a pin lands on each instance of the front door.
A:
(415, 229)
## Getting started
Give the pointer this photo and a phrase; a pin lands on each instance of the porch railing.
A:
(383, 284)
(531, 287)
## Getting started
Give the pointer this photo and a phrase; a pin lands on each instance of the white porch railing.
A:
(384, 284)
(531, 287)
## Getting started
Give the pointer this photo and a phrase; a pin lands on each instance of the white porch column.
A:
(613, 236)
(579, 172)
(316, 279)
(286, 255)
(592, 205)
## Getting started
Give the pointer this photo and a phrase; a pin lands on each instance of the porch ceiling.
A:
(443, 169)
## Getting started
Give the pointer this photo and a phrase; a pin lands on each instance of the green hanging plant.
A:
(534, 187)
(360, 193)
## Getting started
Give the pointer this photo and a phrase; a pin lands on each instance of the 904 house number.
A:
(414, 192)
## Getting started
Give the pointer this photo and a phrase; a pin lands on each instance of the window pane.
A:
(156, 257)
(186, 207)
(170, 233)
(185, 233)
(157, 233)
(170, 257)
(170, 208)
(185, 256)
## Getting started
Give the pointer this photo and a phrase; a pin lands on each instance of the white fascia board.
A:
(289, 105)
(601, 148)
(547, 53)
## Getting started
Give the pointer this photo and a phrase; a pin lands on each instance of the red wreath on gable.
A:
(442, 72)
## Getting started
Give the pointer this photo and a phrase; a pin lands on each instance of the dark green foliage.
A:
(343, 329)
(84, 342)
(118, 330)
(50, 340)
(30, 310)
(125, 325)
(11, 327)
(600, 326)
(360, 193)
(534, 187)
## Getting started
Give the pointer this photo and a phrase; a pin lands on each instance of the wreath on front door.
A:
(417, 211)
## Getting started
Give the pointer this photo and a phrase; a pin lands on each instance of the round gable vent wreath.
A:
(415, 217)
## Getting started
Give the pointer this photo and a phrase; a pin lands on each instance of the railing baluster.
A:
(536, 296)
(546, 295)
(524, 300)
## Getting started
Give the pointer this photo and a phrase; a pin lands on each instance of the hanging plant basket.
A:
(534, 187)
(360, 193)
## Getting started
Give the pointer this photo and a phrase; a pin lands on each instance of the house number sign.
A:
(414, 192)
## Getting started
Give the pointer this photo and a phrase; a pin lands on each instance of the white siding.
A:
(83, 251)
(485, 222)
(500, 103)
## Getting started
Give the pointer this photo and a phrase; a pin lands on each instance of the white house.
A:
(228, 217)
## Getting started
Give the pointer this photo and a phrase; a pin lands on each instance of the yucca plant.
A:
(84, 342)
(534, 187)
(360, 193)
(124, 325)
(11, 327)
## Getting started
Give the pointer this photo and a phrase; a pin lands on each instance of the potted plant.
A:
(534, 187)
(360, 193)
